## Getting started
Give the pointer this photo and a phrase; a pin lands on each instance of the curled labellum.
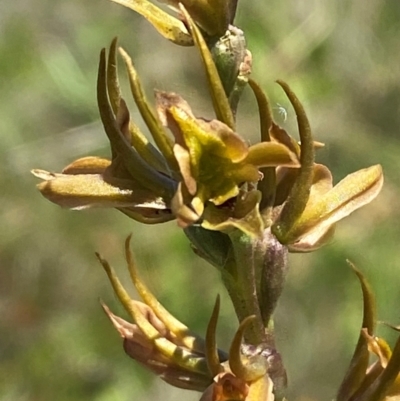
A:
(240, 378)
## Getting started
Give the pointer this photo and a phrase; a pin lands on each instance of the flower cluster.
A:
(243, 207)
(206, 174)
(169, 349)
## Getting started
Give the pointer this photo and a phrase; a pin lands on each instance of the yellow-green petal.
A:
(82, 191)
(170, 27)
(87, 165)
(186, 337)
(271, 154)
(175, 354)
(353, 192)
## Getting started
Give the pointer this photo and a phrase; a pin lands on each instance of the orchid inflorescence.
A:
(243, 207)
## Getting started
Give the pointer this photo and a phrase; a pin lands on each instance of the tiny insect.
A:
(281, 111)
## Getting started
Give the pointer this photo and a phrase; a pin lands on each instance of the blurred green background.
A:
(341, 57)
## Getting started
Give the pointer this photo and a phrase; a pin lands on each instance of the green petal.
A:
(214, 136)
(170, 27)
(271, 154)
(353, 192)
(314, 239)
(87, 165)
(210, 155)
(220, 101)
(146, 150)
(154, 125)
(83, 191)
(147, 176)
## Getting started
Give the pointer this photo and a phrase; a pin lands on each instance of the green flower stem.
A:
(254, 276)
(241, 276)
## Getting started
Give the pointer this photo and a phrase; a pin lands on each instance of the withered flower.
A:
(169, 349)
(379, 381)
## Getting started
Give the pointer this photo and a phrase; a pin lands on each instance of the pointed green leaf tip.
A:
(299, 194)
(359, 362)
(220, 101)
(212, 357)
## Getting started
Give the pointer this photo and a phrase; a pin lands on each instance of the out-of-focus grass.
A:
(342, 60)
